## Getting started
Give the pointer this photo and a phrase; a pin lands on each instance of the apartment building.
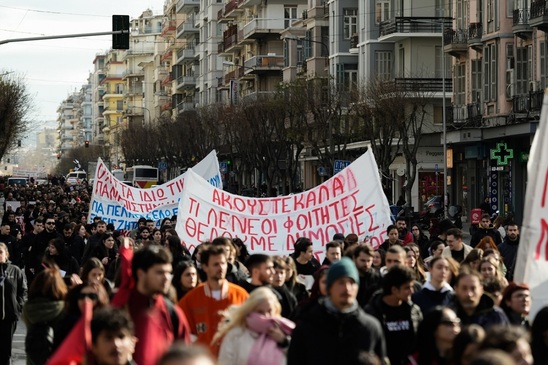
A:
(499, 66)
(67, 122)
(113, 104)
(84, 125)
(252, 48)
(97, 103)
(139, 85)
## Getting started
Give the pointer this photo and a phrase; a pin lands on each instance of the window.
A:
(439, 68)
(290, 15)
(382, 11)
(459, 86)
(490, 72)
(300, 53)
(383, 64)
(350, 22)
(401, 63)
(476, 81)
(522, 72)
(350, 79)
(543, 65)
(307, 50)
(119, 105)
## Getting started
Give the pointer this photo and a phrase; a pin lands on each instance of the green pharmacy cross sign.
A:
(502, 154)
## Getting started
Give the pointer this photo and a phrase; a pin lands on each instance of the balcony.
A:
(185, 106)
(539, 15)
(166, 56)
(260, 27)
(401, 28)
(229, 42)
(526, 103)
(251, 95)
(166, 80)
(475, 32)
(231, 8)
(248, 3)
(186, 82)
(184, 6)
(455, 41)
(134, 91)
(186, 54)
(433, 85)
(520, 23)
(459, 116)
(264, 63)
(187, 28)
(166, 106)
(132, 73)
(169, 27)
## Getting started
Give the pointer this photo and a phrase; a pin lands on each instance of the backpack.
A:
(173, 316)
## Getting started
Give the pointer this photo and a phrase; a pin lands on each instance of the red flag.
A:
(121, 297)
(75, 347)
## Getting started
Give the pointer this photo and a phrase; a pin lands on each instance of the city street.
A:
(18, 352)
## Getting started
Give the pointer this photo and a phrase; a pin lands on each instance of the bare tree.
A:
(15, 105)
(392, 117)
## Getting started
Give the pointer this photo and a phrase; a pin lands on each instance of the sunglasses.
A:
(92, 296)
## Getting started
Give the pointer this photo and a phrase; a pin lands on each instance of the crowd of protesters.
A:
(424, 298)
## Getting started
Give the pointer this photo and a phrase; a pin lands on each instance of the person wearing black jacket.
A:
(38, 249)
(336, 330)
(59, 255)
(485, 229)
(399, 316)
(370, 279)
(27, 244)
(509, 249)
(13, 294)
(73, 242)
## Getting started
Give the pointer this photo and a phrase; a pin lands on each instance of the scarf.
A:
(265, 350)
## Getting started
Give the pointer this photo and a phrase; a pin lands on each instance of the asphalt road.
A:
(18, 349)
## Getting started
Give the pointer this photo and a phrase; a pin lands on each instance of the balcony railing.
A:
(525, 103)
(475, 31)
(520, 17)
(464, 114)
(185, 106)
(183, 4)
(263, 24)
(265, 62)
(539, 8)
(414, 25)
(166, 56)
(166, 106)
(186, 53)
(169, 27)
(424, 84)
(233, 4)
(455, 36)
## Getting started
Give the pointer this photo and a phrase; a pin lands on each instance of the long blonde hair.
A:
(235, 315)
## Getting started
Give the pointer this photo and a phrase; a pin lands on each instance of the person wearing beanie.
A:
(516, 303)
(336, 330)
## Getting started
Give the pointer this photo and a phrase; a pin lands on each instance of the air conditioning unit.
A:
(533, 86)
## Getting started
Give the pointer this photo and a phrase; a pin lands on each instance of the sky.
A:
(52, 69)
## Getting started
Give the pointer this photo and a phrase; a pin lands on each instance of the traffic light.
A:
(120, 41)
(86, 143)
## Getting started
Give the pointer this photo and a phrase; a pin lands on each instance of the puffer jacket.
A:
(13, 291)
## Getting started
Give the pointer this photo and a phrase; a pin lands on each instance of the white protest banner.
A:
(532, 260)
(350, 202)
(123, 205)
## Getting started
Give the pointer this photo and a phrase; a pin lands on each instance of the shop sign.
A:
(502, 154)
